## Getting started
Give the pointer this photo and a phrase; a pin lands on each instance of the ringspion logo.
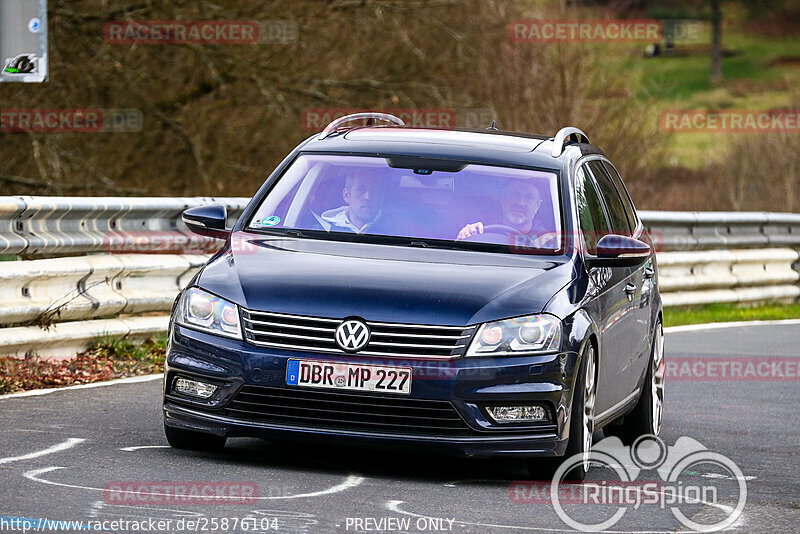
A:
(675, 490)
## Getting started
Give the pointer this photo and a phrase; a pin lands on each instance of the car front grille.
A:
(391, 340)
(336, 410)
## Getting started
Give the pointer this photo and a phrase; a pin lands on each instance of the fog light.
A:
(193, 388)
(524, 414)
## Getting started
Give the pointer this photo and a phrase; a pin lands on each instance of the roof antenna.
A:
(493, 127)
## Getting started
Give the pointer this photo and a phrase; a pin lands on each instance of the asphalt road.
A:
(59, 451)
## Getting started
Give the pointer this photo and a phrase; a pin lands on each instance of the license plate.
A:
(349, 376)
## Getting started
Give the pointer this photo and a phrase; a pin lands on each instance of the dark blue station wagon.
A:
(478, 292)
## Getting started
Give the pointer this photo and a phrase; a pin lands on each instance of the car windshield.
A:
(421, 202)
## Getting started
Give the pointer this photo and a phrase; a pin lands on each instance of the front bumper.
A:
(467, 384)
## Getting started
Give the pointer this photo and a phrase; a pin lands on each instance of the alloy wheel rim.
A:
(588, 407)
(657, 383)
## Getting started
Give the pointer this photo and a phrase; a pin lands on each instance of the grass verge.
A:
(107, 358)
(719, 313)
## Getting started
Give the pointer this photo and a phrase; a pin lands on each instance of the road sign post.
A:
(23, 41)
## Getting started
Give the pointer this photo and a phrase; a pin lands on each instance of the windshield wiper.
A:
(446, 245)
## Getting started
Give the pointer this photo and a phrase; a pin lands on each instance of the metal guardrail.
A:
(87, 287)
(36, 226)
(745, 275)
(696, 230)
(703, 257)
(64, 340)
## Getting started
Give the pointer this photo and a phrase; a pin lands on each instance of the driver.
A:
(519, 200)
(363, 195)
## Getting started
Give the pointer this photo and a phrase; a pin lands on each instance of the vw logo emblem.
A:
(352, 335)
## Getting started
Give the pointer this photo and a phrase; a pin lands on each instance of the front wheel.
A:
(581, 425)
(179, 438)
(647, 415)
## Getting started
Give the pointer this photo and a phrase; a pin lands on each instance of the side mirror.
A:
(619, 251)
(208, 221)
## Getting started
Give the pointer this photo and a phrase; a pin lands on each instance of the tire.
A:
(647, 415)
(179, 438)
(580, 435)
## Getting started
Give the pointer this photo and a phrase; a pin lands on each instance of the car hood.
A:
(381, 282)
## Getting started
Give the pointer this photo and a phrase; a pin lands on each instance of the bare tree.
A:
(716, 42)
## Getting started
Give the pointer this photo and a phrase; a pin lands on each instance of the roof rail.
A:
(562, 137)
(370, 116)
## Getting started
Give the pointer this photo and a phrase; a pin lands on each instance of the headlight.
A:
(201, 310)
(534, 333)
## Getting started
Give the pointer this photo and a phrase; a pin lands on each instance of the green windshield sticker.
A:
(269, 221)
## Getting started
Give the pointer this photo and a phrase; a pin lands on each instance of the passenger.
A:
(363, 195)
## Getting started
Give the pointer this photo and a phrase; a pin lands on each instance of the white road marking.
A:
(732, 324)
(394, 506)
(129, 380)
(664, 471)
(727, 477)
(350, 482)
(627, 467)
(71, 442)
(130, 449)
(98, 509)
(453, 483)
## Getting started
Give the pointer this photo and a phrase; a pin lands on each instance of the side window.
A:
(613, 202)
(623, 192)
(594, 224)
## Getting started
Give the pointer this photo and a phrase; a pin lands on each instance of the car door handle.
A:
(630, 290)
(649, 272)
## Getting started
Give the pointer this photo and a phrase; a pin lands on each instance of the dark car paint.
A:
(431, 286)
(465, 381)
(416, 285)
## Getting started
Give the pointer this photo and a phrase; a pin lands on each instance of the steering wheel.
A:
(501, 234)
(499, 229)
(494, 233)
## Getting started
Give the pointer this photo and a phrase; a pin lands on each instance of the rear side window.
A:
(613, 202)
(594, 224)
(623, 192)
